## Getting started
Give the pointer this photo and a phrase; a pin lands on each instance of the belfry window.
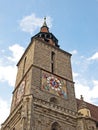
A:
(52, 61)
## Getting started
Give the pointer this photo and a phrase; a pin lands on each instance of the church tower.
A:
(44, 97)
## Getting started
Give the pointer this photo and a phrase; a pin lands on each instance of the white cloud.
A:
(4, 110)
(84, 76)
(16, 51)
(74, 52)
(75, 75)
(8, 71)
(94, 56)
(83, 88)
(30, 23)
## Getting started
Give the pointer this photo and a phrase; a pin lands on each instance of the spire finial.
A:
(81, 97)
(44, 24)
(45, 19)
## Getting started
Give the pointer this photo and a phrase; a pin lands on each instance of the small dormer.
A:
(46, 36)
(83, 109)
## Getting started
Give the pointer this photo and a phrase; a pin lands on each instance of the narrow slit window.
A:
(52, 61)
(52, 67)
(52, 55)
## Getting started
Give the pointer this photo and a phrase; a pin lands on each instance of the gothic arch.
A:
(55, 126)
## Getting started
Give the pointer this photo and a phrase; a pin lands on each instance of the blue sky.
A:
(73, 22)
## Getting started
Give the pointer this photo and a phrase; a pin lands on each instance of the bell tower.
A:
(44, 96)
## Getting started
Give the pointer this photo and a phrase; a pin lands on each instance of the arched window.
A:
(53, 129)
(92, 128)
(55, 126)
(53, 100)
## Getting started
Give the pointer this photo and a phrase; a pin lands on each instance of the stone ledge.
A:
(55, 107)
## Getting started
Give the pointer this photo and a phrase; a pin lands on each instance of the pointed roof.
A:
(44, 27)
(82, 103)
(46, 36)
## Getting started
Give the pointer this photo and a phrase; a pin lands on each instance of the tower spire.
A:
(44, 27)
(46, 36)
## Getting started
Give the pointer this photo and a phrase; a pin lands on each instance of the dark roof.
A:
(93, 109)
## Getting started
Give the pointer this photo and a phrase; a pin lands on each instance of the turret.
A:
(83, 109)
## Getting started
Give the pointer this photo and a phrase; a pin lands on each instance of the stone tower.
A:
(44, 97)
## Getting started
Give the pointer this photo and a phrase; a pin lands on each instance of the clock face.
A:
(20, 91)
(54, 84)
